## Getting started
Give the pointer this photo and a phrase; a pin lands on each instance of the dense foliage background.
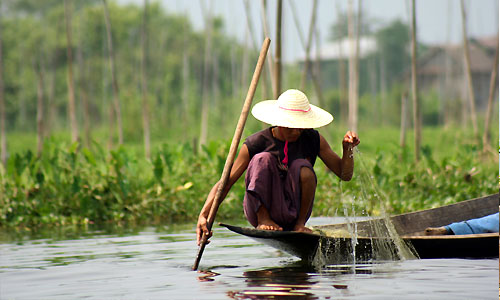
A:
(102, 182)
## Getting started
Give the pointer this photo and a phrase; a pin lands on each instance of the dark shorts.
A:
(279, 193)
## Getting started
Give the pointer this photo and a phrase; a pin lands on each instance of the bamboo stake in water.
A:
(233, 148)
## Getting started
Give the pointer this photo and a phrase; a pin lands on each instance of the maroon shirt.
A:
(306, 146)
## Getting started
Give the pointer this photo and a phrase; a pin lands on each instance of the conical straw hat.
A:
(292, 110)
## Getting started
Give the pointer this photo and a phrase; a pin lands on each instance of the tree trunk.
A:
(3, 137)
(39, 111)
(114, 81)
(493, 88)
(277, 56)
(71, 90)
(416, 104)
(144, 83)
(468, 75)
(207, 16)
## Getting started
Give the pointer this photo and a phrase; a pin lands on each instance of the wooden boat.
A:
(373, 234)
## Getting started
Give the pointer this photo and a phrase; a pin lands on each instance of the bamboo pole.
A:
(402, 133)
(341, 71)
(269, 60)
(82, 84)
(317, 69)
(489, 109)
(307, 62)
(234, 147)
(277, 56)
(144, 83)
(353, 100)
(69, 76)
(307, 49)
(114, 81)
(468, 74)
(416, 104)
(246, 4)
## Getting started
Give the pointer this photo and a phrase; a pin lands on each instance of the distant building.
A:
(332, 53)
(442, 68)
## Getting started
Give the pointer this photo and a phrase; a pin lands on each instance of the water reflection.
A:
(289, 282)
(207, 275)
(302, 281)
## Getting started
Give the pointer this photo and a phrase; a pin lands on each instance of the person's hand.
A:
(350, 140)
(201, 229)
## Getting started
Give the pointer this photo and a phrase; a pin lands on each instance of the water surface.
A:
(155, 263)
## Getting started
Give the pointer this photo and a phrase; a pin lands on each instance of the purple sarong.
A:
(280, 195)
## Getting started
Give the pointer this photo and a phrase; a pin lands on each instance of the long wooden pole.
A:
(277, 56)
(468, 75)
(114, 79)
(3, 137)
(69, 76)
(233, 148)
(414, 86)
(493, 87)
(144, 82)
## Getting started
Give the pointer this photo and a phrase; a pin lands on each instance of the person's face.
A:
(291, 134)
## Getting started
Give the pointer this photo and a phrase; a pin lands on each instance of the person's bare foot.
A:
(302, 228)
(269, 225)
(436, 231)
(264, 221)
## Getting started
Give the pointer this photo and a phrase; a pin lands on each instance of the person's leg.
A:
(437, 231)
(300, 189)
(308, 190)
(263, 192)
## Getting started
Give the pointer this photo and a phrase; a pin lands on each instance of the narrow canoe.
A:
(410, 227)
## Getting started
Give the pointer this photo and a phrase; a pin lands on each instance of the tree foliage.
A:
(34, 33)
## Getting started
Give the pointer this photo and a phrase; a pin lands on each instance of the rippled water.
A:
(155, 263)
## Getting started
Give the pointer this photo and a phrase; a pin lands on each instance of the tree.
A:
(392, 44)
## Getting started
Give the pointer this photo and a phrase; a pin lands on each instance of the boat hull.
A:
(312, 246)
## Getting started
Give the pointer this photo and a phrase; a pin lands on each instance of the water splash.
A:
(377, 235)
(385, 228)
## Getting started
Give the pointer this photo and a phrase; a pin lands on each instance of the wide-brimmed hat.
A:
(292, 110)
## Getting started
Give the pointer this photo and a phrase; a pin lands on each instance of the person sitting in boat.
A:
(485, 224)
(280, 180)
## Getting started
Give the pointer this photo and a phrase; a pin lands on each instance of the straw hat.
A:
(292, 110)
